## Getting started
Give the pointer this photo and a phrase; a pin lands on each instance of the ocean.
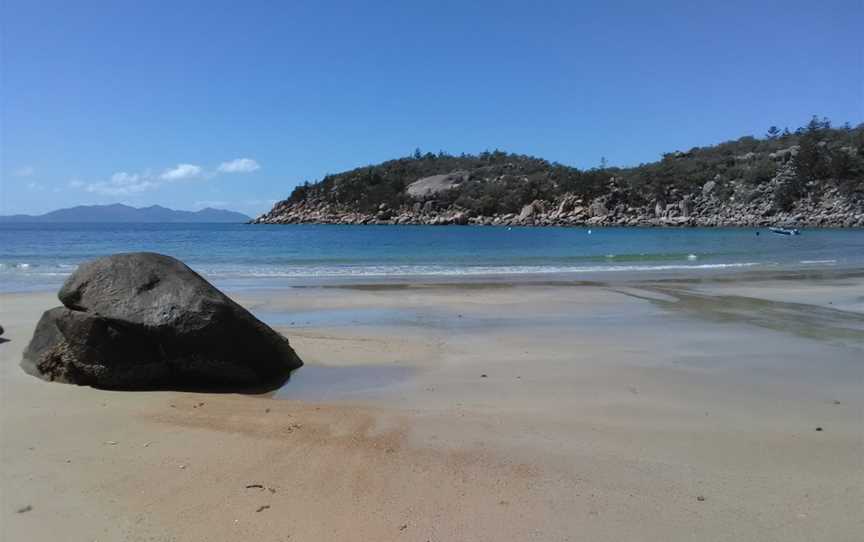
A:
(38, 257)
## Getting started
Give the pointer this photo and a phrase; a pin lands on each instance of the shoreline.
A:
(599, 276)
(847, 223)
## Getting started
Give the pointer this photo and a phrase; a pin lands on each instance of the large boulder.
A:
(436, 183)
(144, 320)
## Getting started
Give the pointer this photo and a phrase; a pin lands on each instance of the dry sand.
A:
(633, 411)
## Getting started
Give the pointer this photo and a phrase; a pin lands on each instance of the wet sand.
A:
(721, 409)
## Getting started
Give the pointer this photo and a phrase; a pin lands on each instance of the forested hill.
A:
(811, 176)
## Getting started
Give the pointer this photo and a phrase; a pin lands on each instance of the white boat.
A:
(785, 231)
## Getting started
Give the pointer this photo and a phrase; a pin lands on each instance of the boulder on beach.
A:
(145, 320)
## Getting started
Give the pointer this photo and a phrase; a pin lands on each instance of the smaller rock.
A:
(598, 209)
(460, 218)
(684, 206)
(527, 212)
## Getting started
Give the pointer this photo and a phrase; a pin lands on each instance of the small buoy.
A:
(589, 232)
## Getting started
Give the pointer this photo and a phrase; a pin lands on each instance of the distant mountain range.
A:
(124, 213)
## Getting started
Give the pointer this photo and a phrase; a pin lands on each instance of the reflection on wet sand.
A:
(805, 320)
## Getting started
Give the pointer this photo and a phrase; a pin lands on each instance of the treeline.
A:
(497, 182)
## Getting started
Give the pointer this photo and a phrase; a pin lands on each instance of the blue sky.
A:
(231, 104)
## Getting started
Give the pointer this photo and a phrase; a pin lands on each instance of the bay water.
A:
(35, 257)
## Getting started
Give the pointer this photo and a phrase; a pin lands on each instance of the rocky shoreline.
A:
(831, 209)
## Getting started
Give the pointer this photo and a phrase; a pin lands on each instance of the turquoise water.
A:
(39, 256)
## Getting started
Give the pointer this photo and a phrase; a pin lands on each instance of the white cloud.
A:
(121, 178)
(240, 165)
(181, 172)
(120, 184)
(35, 186)
(24, 171)
(123, 183)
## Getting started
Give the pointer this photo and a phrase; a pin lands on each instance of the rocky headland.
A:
(705, 209)
(811, 178)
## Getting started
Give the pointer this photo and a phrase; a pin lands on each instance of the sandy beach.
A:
(724, 408)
